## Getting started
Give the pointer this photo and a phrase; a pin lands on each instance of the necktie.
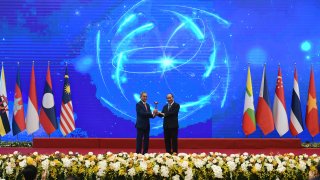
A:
(145, 105)
(169, 106)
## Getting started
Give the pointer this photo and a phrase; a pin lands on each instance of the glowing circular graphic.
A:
(162, 48)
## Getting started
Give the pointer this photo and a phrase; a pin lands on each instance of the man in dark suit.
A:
(170, 124)
(143, 123)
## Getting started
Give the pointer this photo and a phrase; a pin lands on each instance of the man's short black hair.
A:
(170, 94)
(29, 172)
(143, 92)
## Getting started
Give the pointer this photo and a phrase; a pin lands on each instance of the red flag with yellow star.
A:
(312, 108)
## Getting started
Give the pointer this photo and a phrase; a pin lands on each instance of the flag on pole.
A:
(32, 117)
(264, 115)
(67, 124)
(248, 119)
(296, 125)
(312, 108)
(48, 118)
(4, 113)
(18, 123)
(279, 107)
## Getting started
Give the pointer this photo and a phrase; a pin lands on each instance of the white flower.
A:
(258, 166)
(182, 154)
(43, 157)
(143, 166)
(90, 153)
(302, 165)
(15, 152)
(87, 163)
(164, 171)
(268, 166)
(66, 162)
(100, 173)
(229, 158)
(70, 153)
(221, 162)
(244, 167)
(115, 166)
(170, 163)
(159, 160)
(57, 152)
(309, 162)
(281, 168)
(198, 163)
(52, 163)
(214, 161)
(132, 172)
(100, 157)
(23, 163)
(217, 171)
(189, 174)
(155, 169)
(292, 165)
(45, 164)
(102, 164)
(35, 153)
(231, 165)
(9, 170)
(184, 164)
(176, 177)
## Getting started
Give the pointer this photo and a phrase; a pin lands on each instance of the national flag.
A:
(48, 118)
(296, 125)
(249, 120)
(264, 115)
(18, 123)
(4, 113)
(67, 124)
(279, 107)
(312, 108)
(32, 117)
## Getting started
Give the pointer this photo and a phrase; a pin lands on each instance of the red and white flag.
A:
(279, 107)
(32, 117)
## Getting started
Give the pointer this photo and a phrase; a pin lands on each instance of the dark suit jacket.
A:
(171, 116)
(143, 116)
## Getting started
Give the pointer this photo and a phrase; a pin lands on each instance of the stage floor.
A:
(309, 151)
(186, 145)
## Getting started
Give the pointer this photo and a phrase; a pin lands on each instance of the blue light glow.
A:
(305, 46)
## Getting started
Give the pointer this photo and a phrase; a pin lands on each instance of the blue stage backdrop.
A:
(197, 50)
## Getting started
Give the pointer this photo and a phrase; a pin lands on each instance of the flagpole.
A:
(1, 136)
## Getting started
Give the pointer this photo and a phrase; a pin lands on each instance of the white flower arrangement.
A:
(162, 166)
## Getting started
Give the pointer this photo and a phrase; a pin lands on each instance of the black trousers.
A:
(142, 136)
(171, 140)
